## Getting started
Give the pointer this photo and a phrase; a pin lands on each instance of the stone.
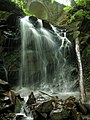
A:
(59, 114)
(31, 99)
(7, 98)
(7, 116)
(7, 5)
(87, 106)
(81, 108)
(7, 108)
(20, 117)
(47, 25)
(17, 105)
(45, 107)
(4, 84)
(32, 19)
(38, 9)
(12, 20)
(12, 95)
(70, 102)
(41, 116)
(74, 115)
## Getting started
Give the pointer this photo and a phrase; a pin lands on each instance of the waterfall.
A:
(46, 56)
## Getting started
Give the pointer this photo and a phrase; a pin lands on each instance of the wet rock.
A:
(70, 102)
(74, 115)
(12, 20)
(86, 117)
(35, 115)
(87, 106)
(45, 107)
(7, 109)
(79, 117)
(12, 96)
(81, 108)
(7, 99)
(7, 116)
(39, 116)
(74, 72)
(32, 19)
(46, 25)
(5, 85)
(31, 99)
(7, 5)
(19, 97)
(59, 114)
(17, 105)
(20, 117)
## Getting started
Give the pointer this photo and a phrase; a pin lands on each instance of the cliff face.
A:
(7, 5)
(83, 26)
(10, 36)
(9, 40)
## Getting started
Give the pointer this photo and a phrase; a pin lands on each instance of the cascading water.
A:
(46, 63)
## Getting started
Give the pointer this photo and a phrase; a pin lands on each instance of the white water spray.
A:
(45, 64)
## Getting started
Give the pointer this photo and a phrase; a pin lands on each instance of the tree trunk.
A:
(81, 82)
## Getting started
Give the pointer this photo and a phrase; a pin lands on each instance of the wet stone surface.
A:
(40, 108)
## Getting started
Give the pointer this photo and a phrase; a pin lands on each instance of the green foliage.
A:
(21, 4)
(87, 14)
(52, 1)
(80, 14)
(87, 51)
(68, 8)
(80, 11)
(82, 2)
(72, 18)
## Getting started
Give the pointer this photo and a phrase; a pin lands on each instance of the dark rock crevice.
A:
(7, 5)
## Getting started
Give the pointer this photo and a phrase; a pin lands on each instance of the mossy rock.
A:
(4, 15)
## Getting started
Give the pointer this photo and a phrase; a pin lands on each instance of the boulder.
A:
(45, 107)
(5, 85)
(17, 105)
(39, 116)
(20, 117)
(74, 115)
(81, 108)
(70, 102)
(7, 116)
(59, 114)
(7, 5)
(7, 98)
(7, 108)
(33, 19)
(87, 106)
(31, 99)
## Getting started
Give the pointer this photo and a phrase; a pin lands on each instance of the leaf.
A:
(68, 8)
(52, 1)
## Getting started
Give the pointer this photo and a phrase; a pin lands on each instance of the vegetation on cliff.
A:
(75, 18)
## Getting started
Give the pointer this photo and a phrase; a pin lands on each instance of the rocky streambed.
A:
(38, 107)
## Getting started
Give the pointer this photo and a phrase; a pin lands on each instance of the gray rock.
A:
(59, 114)
(45, 107)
